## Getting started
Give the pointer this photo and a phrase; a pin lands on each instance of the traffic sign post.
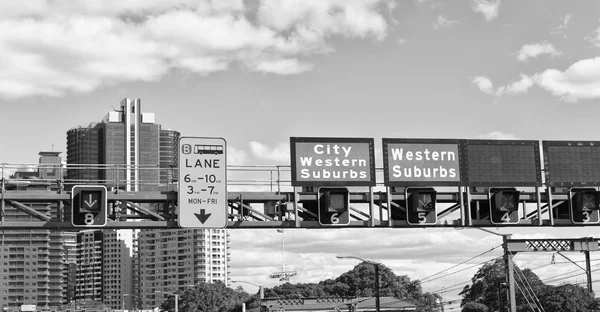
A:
(202, 193)
(88, 205)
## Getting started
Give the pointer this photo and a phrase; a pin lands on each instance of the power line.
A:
(452, 267)
(477, 264)
(521, 276)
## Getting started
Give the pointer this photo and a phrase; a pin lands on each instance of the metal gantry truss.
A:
(514, 246)
(283, 209)
(258, 197)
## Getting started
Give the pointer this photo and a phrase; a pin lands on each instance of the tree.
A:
(474, 307)
(489, 289)
(208, 297)
(568, 298)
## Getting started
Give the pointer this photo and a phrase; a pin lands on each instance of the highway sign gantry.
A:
(202, 194)
(88, 205)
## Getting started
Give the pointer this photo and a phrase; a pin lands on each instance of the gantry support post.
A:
(510, 275)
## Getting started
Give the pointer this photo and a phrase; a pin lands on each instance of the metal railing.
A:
(273, 178)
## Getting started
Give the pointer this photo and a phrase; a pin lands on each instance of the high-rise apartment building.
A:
(172, 260)
(31, 260)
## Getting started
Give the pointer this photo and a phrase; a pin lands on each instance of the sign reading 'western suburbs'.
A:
(421, 162)
(332, 161)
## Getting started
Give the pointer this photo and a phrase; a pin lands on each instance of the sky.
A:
(259, 72)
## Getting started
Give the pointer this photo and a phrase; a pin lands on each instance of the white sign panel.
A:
(202, 183)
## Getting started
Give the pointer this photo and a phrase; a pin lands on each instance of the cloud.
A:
(280, 153)
(401, 41)
(489, 8)
(562, 28)
(485, 85)
(442, 22)
(534, 50)
(497, 135)
(580, 81)
(50, 48)
(595, 38)
(236, 156)
(281, 67)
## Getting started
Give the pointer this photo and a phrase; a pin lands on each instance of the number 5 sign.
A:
(202, 193)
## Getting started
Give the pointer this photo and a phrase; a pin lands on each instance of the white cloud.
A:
(521, 86)
(595, 38)
(534, 50)
(236, 156)
(443, 22)
(489, 8)
(562, 28)
(53, 47)
(281, 152)
(580, 81)
(282, 66)
(516, 87)
(401, 41)
(498, 135)
(484, 84)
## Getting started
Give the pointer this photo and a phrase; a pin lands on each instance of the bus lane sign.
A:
(202, 192)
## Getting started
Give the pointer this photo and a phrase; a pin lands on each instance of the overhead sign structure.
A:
(332, 161)
(570, 163)
(202, 194)
(88, 205)
(501, 163)
(412, 162)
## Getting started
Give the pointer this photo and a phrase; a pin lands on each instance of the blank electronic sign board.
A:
(501, 163)
(572, 163)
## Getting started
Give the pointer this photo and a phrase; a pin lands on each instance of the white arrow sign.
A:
(91, 202)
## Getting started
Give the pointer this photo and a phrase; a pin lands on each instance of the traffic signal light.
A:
(333, 206)
(88, 206)
(420, 205)
(584, 204)
(504, 205)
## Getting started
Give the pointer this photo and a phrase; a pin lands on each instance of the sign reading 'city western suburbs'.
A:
(202, 192)
(332, 161)
(409, 162)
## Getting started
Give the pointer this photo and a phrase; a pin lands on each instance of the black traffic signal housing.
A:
(584, 205)
(88, 206)
(420, 205)
(504, 205)
(333, 205)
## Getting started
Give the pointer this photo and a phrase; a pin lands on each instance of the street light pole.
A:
(172, 294)
(261, 293)
(376, 264)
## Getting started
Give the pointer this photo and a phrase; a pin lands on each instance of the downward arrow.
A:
(91, 202)
(202, 216)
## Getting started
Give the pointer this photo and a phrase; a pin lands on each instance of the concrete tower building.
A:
(140, 156)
